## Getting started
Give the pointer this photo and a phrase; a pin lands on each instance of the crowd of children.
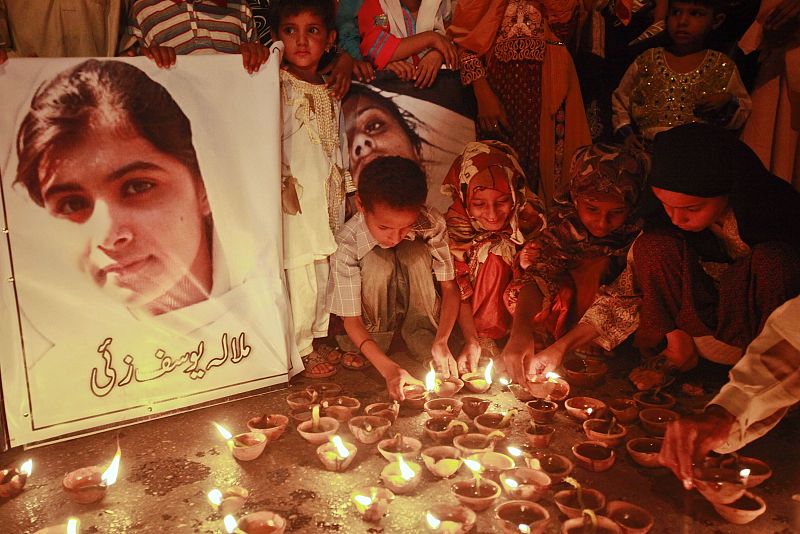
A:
(671, 230)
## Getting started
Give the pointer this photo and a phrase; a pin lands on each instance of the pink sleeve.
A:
(377, 43)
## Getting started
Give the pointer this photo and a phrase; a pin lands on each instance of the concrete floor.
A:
(168, 466)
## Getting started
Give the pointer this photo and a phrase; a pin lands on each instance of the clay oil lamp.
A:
(336, 455)
(229, 500)
(655, 420)
(444, 429)
(399, 446)
(631, 519)
(609, 432)
(341, 408)
(298, 415)
(743, 510)
(479, 382)
(442, 387)
(644, 451)
(474, 406)
(572, 502)
(583, 408)
(415, 396)
(513, 517)
(477, 494)
(585, 373)
(368, 428)
(472, 443)
(372, 502)
(88, 485)
(594, 455)
(539, 436)
(450, 519)
(388, 410)
(542, 411)
(493, 463)
(246, 446)
(625, 410)
(524, 483)
(443, 407)
(520, 392)
(319, 429)
(489, 422)
(273, 426)
(719, 485)
(256, 523)
(590, 523)
(301, 399)
(324, 390)
(442, 461)
(654, 399)
(551, 387)
(556, 466)
(757, 473)
(12, 480)
(72, 527)
(400, 476)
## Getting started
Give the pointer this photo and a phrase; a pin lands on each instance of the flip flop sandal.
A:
(312, 361)
(355, 361)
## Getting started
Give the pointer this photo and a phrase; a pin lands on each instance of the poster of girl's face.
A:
(430, 126)
(144, 251)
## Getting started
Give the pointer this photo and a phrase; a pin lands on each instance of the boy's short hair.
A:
(717, 6)
(399, 183)
(285, 8)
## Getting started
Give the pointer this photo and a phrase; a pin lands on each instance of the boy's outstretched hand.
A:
(396, 378)
(443, 359)
(253, 56)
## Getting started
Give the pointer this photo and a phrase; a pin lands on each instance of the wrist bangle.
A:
(364, 343)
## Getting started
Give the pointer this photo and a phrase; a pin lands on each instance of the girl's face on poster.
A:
(691, 213)
(372, 132)
(490, 207)
(601, 216)
(141, 215)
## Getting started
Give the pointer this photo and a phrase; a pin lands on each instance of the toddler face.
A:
(491, 208)
(601, 216)
(305, 38)
(689, 24)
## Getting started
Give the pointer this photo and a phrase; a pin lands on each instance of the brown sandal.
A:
(315, 360)
(355, 361)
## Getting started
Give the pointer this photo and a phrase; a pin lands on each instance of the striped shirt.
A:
(191, 27)
(355, 242)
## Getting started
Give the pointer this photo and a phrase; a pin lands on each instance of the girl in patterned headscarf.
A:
(492, 213)
(591, 227)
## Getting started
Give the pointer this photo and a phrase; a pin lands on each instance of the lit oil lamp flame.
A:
(589, 411)
(552, 377)
(223, 432)
(511, 483)
(363, 500)
(341, 450)
(433, 521)
(26, 468)
(488, 373)
(110, 475)
(215, 497)
(72, 525)
(514, 451)
(744, 474)
(405, 472)
(230, 524)
(524, 528)
(473, 465)
(430, 380)
(504, 381)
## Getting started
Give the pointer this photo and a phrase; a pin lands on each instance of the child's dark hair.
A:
(717, 6)
(397, 182)
(280, 9)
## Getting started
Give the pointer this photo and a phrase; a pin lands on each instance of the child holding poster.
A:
(313, 169)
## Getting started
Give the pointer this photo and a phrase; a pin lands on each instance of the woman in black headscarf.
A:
(720, 252)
